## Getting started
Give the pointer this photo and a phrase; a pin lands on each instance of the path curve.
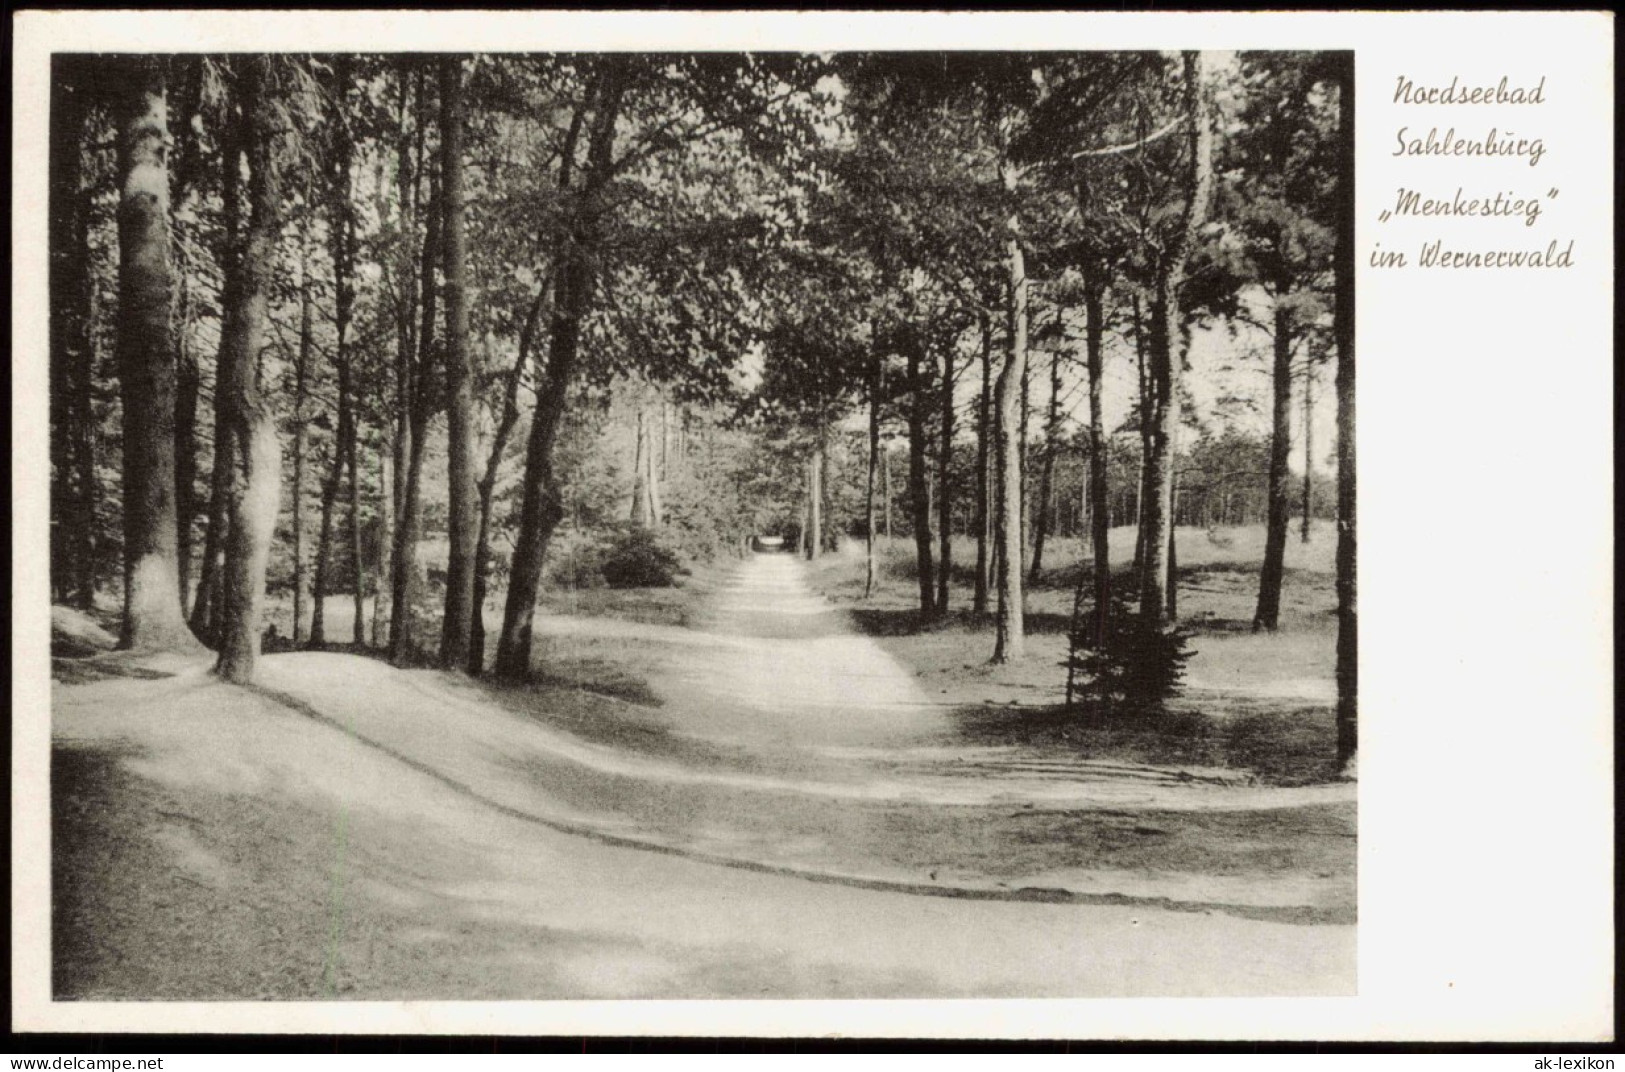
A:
(767, 665)
(407, 886)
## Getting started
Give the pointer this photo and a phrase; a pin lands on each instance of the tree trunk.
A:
(206, 597)
(488, 481)
(405, 375)
(1100, 509)
(983, 474)
(647, 508)
(1046, 475)
(1343, 325)
(1145, 402)
(543, 500)
(876, 383)
(543, 506)
(185, 158)
(403, 640)
(205, 619)
(1026, 467)
(885, 472)
(1171, 601)
(408, 570)
(919, 494)
(73, 352)
(256, 479)
(186, 392)
(1308, 447)
(146, 361)
(330, 493)
(665, 441)
(1009, 644)
(1268, 614)
(324, 544)
(358, 579)
(254, 506)
(400, 463)
(945, 511)
(342, 239)
(930, 496)
(655, 464)
(815, 500)
(300, 389)
(463, 507)
(386, 518)
(1157, 512)
(995, 480)
(1156, 500)
(640, 493)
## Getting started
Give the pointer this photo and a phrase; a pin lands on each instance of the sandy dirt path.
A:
(775, 663)
(347, 829)
(219, 844)
(769, 667)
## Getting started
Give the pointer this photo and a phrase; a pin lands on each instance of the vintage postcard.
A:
(761, 523)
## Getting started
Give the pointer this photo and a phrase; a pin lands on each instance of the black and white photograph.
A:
(704, 523)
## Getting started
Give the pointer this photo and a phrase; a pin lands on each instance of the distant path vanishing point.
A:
(798, 667)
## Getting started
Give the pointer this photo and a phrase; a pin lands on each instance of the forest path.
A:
(420, 840)
(218, 842)
(794, 671)
(783, 682)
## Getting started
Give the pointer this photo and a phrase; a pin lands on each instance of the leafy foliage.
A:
(762, 244)
(638, 558)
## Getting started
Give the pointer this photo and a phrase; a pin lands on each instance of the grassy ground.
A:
(1261, 702)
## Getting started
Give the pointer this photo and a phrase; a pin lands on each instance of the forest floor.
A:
(415, 834)
(1259, 702)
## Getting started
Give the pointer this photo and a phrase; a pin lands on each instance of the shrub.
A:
(1137, 668)
(579, 565)
(637, 558)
